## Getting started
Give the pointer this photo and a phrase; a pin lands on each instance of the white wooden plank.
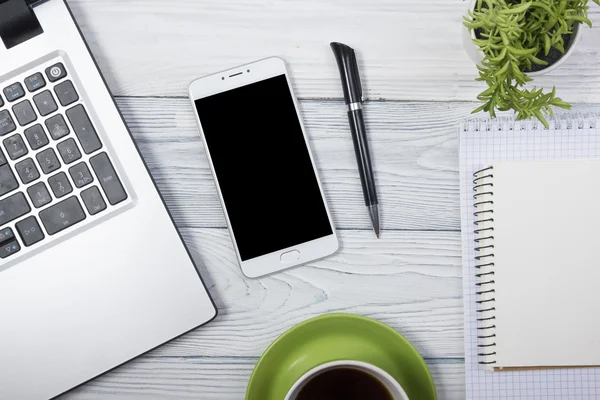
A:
(409, 280)
(414, 149)
(408, 49)
(415, 163)
(214, 379)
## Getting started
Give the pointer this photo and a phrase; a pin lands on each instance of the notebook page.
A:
(547, 265)
(480, 145)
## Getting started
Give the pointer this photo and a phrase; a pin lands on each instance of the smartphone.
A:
(263, 167)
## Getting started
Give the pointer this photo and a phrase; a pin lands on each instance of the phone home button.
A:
(290, 256)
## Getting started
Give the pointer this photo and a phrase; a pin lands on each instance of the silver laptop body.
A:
(93, 271)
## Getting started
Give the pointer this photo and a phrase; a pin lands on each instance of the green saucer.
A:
(335, 337)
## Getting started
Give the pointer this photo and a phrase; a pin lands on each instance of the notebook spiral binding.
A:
(483, 186)
(576, 121)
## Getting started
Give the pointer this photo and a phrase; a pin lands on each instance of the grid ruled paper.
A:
(481, 143)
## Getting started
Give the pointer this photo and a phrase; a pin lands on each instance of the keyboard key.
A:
(48, 161)
(8, 182)
(30, 231)
(27, 171)
(6, 235)
(60, 185)
(8, 249)
(3, 159)
(93, 200)
(15, 147)
(39, 194)
(57, 126)
(84, 129)
(113, 189)
(56, 72)
(7, 125)
(62, 215)
(66, 93)
(24, 113)
(14, 92)
(45, 103)
(35, 82)
(68, 151)
(1, 101)
(13, 207)
(81, 175)
(36, 137)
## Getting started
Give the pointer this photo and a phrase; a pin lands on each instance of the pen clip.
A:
(358, 77)
(349, 73)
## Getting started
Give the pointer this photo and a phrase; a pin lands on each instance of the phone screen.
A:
(263, 167)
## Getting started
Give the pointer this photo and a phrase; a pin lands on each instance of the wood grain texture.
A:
(409, 280)
(408, 49)
(200, 378)
(413, 145)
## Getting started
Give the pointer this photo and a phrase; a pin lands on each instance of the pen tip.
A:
(374, 213)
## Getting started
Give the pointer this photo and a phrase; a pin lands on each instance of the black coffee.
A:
(344, 384)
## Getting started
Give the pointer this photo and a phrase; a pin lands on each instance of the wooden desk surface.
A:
(419, 83)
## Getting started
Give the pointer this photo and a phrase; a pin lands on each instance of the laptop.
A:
(93, 271)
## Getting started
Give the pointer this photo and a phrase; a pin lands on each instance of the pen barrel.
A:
(363, 156)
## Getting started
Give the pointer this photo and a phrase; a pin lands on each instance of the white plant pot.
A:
(477, 56)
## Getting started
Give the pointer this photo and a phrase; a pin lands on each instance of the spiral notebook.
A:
(530, 202)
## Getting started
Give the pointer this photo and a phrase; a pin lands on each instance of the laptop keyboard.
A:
(54, 170)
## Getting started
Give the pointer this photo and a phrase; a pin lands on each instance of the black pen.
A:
(346, 60)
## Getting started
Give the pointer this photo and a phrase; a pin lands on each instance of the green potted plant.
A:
(514, 40)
